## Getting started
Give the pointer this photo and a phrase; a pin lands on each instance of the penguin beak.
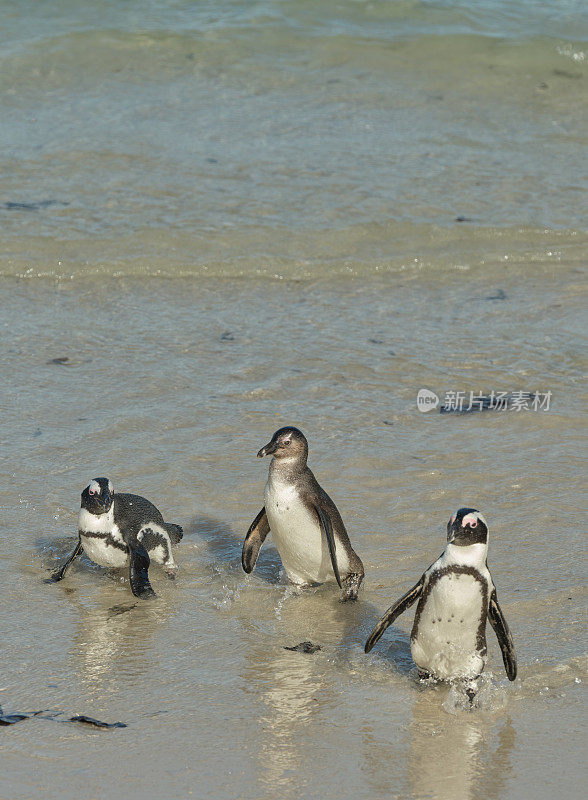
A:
(106, 501)
(269, 448)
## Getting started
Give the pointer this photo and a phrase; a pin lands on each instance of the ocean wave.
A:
(275, 54)
(267, 253)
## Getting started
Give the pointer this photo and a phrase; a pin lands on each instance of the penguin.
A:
(305, 524)
(456, 596)
(124, 528)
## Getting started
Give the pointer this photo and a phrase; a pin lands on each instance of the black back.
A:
(132, 512)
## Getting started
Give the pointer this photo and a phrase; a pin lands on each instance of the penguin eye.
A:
(92, 491)
(287, 442)
(474, 523)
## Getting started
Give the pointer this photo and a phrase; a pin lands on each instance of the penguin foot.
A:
(471, 690)
(471, 693)
(144, 593)
(171, 572)
(352, 584)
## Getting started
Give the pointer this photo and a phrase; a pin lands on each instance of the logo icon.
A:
(426, 400)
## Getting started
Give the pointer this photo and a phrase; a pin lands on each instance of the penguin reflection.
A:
(458, 757)
(293, 691)
(112, 642)
(295, 688)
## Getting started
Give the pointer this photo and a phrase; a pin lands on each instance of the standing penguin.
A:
(121, 529)
(456, 595)
(305, 523)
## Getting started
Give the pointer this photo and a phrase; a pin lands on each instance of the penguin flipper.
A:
(60, 573)
(327, 526)
(255, 537)
(393, 612)
(504, 637)
(138, 570)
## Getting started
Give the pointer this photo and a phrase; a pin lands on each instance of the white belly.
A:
(446, 640)
(301, 543)
(102, 553)
(97, 548)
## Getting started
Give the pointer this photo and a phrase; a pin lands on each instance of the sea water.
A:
(220, 218)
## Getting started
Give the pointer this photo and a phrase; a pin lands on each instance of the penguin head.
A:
(98, 496)
(286, 443)
(467, 526)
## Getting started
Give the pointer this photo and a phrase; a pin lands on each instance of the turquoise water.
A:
(201, 134)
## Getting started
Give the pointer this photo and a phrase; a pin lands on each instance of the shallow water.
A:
(156, 397)
(220, 218)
